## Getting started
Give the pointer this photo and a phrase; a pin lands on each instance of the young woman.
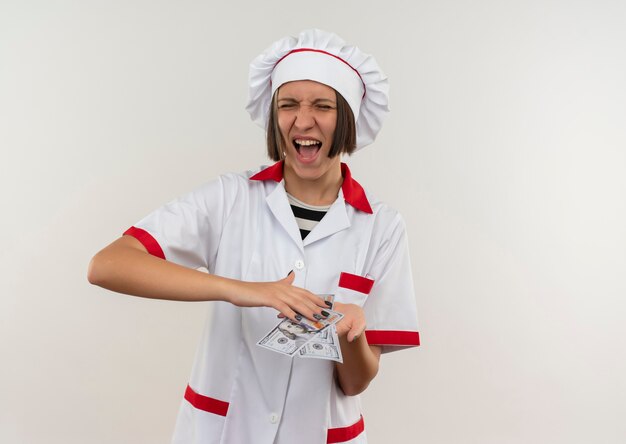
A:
(305, 218)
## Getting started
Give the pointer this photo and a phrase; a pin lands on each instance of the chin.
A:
(308, 172)
(311, 171)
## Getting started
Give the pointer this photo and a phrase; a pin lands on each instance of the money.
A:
(306, 338)
(324, 345)
(287, 337)
(315, 326)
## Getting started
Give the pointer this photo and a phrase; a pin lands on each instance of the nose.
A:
(304, 118)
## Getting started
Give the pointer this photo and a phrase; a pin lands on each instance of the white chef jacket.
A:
(241, 226)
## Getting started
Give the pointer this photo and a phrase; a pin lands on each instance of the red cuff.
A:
(391, 337)
(146, 240)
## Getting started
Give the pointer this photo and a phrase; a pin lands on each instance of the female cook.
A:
(305, 218)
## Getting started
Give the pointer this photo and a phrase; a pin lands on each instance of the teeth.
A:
(306, 142)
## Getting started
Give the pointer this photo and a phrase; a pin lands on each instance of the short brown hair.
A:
(344, 139)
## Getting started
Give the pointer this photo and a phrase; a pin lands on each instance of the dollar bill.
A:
(324, 345)
(288, 337)
(315, 326)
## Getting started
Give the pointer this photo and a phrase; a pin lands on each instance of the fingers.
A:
(301, 301)
(290, 277)
(353, 323)
(281, 295)
(295, 305)
(292, 307)
(295, 310)
(316, 300)
(356, 332)
(288, 312)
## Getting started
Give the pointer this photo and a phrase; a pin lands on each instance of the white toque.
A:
(323, 57)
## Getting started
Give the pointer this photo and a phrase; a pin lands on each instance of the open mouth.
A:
(307, 148)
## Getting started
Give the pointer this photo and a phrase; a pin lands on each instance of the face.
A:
(292, 327)
(307, 117)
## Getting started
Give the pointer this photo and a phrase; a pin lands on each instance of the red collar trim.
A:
(353, 192)
(274, 172)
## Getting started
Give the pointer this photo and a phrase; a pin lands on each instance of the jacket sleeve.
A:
(390, 307)
(187, 230)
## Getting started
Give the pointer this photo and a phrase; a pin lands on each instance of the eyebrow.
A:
(323, 100)
(291, 99)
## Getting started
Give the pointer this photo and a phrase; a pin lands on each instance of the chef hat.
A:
(323, 57)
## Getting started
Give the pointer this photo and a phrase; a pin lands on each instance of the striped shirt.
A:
(307, 216)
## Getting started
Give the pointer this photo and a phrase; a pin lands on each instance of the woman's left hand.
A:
(352, 325)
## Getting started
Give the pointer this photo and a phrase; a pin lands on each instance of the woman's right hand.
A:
(282, 295)
(126, 266)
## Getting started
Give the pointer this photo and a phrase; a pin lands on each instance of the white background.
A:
(504, 151)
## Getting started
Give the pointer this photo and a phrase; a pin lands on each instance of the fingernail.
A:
(289, 274)
(298, 317)
(325, 313)
(330, 304)
(316, 316)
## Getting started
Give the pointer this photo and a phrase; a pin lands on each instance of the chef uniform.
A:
(241, 226)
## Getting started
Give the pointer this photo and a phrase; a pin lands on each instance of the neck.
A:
(319, 191)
